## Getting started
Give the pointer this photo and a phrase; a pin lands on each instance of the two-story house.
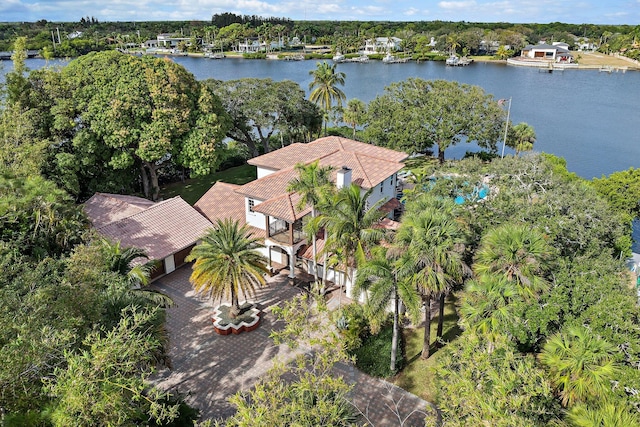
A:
(381, 45)
(271, 211)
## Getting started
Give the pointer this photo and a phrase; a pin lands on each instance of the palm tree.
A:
(311, 183)
(581, 365)
(432, 239)
(350, 221)
(454, 44)
(121, 260)
(518, 252)
(324, 88)
(607, 414)
(522, 137)
(354, 114)
(485, 303)
(383, 279)
(227, 263)
(503, 53)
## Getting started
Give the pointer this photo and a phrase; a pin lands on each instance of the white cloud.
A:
(457, 5)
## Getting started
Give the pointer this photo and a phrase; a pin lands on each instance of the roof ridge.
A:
(364, 170)
(161, 203)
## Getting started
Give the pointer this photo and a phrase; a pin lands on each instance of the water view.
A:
(586, 116)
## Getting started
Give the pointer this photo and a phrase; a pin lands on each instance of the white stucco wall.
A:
(255, 219)
(262, 171)
(388, 191)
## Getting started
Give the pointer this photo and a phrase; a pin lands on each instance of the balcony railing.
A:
(279, 231)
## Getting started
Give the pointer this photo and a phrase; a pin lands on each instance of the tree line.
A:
(228, 29)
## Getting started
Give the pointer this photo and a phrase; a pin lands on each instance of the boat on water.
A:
(390, 59)
(338, 57)
(214, 55)
(296, 57)
(456, 61)
(360, 59)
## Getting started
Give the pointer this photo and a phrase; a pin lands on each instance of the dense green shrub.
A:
(374, 355)
(353, 326)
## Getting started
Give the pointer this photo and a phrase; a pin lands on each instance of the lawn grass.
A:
(192, 189)
(417, 376)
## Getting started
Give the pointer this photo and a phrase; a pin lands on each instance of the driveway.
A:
(209, 368)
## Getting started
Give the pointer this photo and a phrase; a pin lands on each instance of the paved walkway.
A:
(209, 368)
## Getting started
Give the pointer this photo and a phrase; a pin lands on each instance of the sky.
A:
(515, 11)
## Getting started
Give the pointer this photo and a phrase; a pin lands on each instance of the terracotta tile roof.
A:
(104, 208)
(290, 155)
(270, 186)
(161, 230)
(222, 201)
(305, 153)
(367, 171)
(306, 251)
(283, 207)
(370, 150)
(390, 205)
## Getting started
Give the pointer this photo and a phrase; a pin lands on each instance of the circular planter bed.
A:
(246, 321)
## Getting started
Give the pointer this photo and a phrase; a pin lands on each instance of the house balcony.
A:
(286, 233)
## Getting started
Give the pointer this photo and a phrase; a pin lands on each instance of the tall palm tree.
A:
(354, 114)
(522, 137)
(581, 365)
(518, 252)
(324, 88)
(350, 223)
(384, 280)
(227, 263)
(432, 239)
(446, 206)
(311, 183)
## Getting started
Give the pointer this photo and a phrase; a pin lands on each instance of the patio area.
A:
(208, 368)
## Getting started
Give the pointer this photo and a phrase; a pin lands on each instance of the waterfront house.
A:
(166, 230)
(547, 52)
(271, 211)
(381, 45)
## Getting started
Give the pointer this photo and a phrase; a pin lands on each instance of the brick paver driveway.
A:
(209, 368)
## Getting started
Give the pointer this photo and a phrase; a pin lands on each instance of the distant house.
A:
(168, 41)
(271, 211)
(381, 44)
(254, 45)
(546, 52)
(166, 230)
(75, 35)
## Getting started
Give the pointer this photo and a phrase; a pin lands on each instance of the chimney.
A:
(343, 178)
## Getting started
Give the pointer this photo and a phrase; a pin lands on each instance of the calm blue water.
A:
(587, 117)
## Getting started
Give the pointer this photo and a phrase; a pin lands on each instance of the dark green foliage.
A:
(416, 115)
(587, 287)
(37, 218)
(372, 357)
(621, 190)
(353, 326)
